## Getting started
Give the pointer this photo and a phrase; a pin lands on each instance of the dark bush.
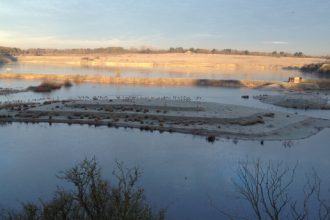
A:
(93, 198)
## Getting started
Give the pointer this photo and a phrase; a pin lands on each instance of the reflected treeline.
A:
(5, 123)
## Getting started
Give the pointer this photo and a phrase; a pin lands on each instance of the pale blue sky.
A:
(254, 25)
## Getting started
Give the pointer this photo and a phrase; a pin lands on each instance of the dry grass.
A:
(50, 84)
(325, 69)
(311, 67)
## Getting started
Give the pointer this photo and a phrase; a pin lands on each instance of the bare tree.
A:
(92, 198)
(311, 188)
(267, 191)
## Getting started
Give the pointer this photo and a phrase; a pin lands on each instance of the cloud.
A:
(275, 42)
(25, 41)
(204, 36)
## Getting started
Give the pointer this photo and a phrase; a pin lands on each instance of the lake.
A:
(209, 94)
(179, 168)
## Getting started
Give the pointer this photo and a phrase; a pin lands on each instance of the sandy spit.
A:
(299, 100)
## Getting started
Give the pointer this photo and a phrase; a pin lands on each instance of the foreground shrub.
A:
(93, 198)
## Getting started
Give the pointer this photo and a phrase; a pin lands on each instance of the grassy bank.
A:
(323, 67)
(5, 59)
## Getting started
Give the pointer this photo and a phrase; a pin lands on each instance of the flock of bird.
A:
(182, 98)
(123, 98)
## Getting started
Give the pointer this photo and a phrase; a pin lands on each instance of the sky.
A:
(254, 25)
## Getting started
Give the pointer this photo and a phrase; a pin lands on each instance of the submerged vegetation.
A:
(93, 198)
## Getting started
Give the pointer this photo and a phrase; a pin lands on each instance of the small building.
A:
(294, 79)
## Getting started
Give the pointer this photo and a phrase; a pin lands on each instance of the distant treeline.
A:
(142, 49)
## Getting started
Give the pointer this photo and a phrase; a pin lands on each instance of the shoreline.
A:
(306, 84)
(138, 80)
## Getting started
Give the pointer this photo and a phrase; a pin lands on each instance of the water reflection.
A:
(177, 167)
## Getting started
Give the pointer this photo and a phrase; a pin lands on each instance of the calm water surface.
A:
(177, 167)
(160, 72)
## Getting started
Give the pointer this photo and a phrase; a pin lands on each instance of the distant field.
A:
(177, 60)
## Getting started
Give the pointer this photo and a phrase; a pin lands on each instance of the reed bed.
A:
(139, 81)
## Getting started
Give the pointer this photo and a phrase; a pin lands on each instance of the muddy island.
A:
(170, 115)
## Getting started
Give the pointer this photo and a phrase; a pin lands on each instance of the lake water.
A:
(208, 94)
(181, 168)
(160, 72)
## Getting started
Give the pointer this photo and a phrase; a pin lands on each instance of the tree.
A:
(246, 52)
(267, 191)
(282, 54)
(93, 198)
(300, 54)
(274, 53)
(227, 51)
